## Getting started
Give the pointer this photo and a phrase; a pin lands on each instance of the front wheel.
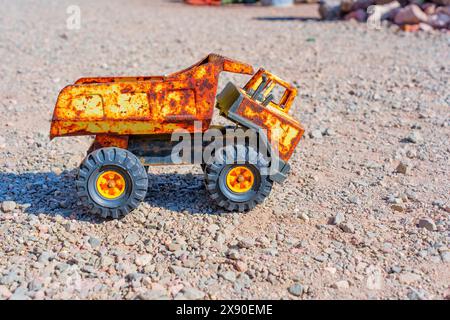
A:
(238, 185)
(111, 182)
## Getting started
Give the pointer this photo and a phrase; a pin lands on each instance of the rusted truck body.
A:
(142, 105)
(136, 117)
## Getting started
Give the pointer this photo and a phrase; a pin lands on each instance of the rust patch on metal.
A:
(112, 141)
(103, 141)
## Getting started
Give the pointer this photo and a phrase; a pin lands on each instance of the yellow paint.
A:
(86, 107)
(179, 102)
(130, 105)
(281, 128)
(110, 184)
(290, 134)
(240, 179)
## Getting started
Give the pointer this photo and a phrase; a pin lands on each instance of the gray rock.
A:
(271, 251)
(131, 239)
(143, 260)
(341, 285)
(338, 219)
(304, 216)
(296, 289)
(88, 269)
(243, 281)
(408, 277)
(329, 132)
(414, 137)
(134, 276)
(173, 246)
(106, 261)
(94, 242)
(233, 254)
(396, 269)
(445, 256)
(374, 281)
(179, 271)
(8, 206)
(427, 223)
(228, 275)
(213, 228)
(62, 267)
(190, 263)
(35, 285)
(10, 278)
(411, 195)
(321, 258)
(192, 293)
(417, 294)
(246, 243)
(354, 200)
(19, 296)
(347, 227)
(438, 203)
(315, 134)
(220, 237)
(156, 294)
(46, 256)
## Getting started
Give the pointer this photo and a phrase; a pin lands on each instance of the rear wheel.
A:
(111, 182)
(238, 185)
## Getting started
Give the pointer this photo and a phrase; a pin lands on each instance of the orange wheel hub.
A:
(110, 184)
(240, 179)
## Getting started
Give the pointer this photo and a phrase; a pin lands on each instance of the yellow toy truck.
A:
(135, 119)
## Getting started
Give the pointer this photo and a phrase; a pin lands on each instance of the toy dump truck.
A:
(139, 121)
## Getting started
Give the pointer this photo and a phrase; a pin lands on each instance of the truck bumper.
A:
(282, 174)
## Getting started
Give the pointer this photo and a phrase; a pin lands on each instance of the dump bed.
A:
(142, 105)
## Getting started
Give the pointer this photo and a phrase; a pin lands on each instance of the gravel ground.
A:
(363, 215)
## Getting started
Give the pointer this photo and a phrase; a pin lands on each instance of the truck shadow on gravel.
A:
(181, 193)
(52, 194)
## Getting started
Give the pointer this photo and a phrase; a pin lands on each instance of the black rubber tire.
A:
(121, 161)
(215, 181)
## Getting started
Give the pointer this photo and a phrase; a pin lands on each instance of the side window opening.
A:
(277, 91)
(268, 91)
